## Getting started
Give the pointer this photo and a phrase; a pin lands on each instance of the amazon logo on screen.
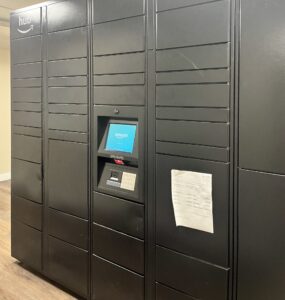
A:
(25, 24)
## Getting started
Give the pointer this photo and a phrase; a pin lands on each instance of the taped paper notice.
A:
(192, 199)
(128, 181)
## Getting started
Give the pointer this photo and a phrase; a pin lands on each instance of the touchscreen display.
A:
(121, 137)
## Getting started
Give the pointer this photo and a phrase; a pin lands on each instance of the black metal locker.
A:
(26, 98)
(67, 216)
(199, 84)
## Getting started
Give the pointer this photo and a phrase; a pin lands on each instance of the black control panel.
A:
(118, 155)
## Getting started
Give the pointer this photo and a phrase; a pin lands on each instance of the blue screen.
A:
(121, 138)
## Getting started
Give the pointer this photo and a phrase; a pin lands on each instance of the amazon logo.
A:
(24, 21)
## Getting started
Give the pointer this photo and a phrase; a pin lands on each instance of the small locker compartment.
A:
(119, 214)
(27, 180)
(193, 58)
(119, 79)
(200, 133)
(67, 95)
(67, 81)
(30, 95)
(26, 82)
(194, 95)
(27, 148)
(67, 122)
(34, 107)
(170, 4)
(79, 137)
(111, 281)
(68, 109)
(193, 151)
(194, 25)
(68, 228)
(31, 50)
(193, 76)
(71, 43)
(119, 64)
(68, 265)
(71, 67)
(119, 95)
(67, 173)
(196, 278)
(27, 212)
(119, 10)
(121, 36)
(66, 14)
(28, 70)
(129, 251)
(26, 244)
(27, 119)
(31, 131)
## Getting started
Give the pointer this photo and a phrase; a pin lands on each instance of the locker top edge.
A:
(30, 7)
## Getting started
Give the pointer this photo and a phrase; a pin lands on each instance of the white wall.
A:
(5, 119)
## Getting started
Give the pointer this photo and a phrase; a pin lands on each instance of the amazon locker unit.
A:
(147, 149)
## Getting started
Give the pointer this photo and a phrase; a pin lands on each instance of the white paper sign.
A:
(128, 181)
(192, 199)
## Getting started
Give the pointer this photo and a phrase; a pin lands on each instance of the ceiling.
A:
(6, 7)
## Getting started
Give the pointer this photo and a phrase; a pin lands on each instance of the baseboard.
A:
(5, 176)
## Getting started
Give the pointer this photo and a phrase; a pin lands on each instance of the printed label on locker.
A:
(128, 181)
(192, 199)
